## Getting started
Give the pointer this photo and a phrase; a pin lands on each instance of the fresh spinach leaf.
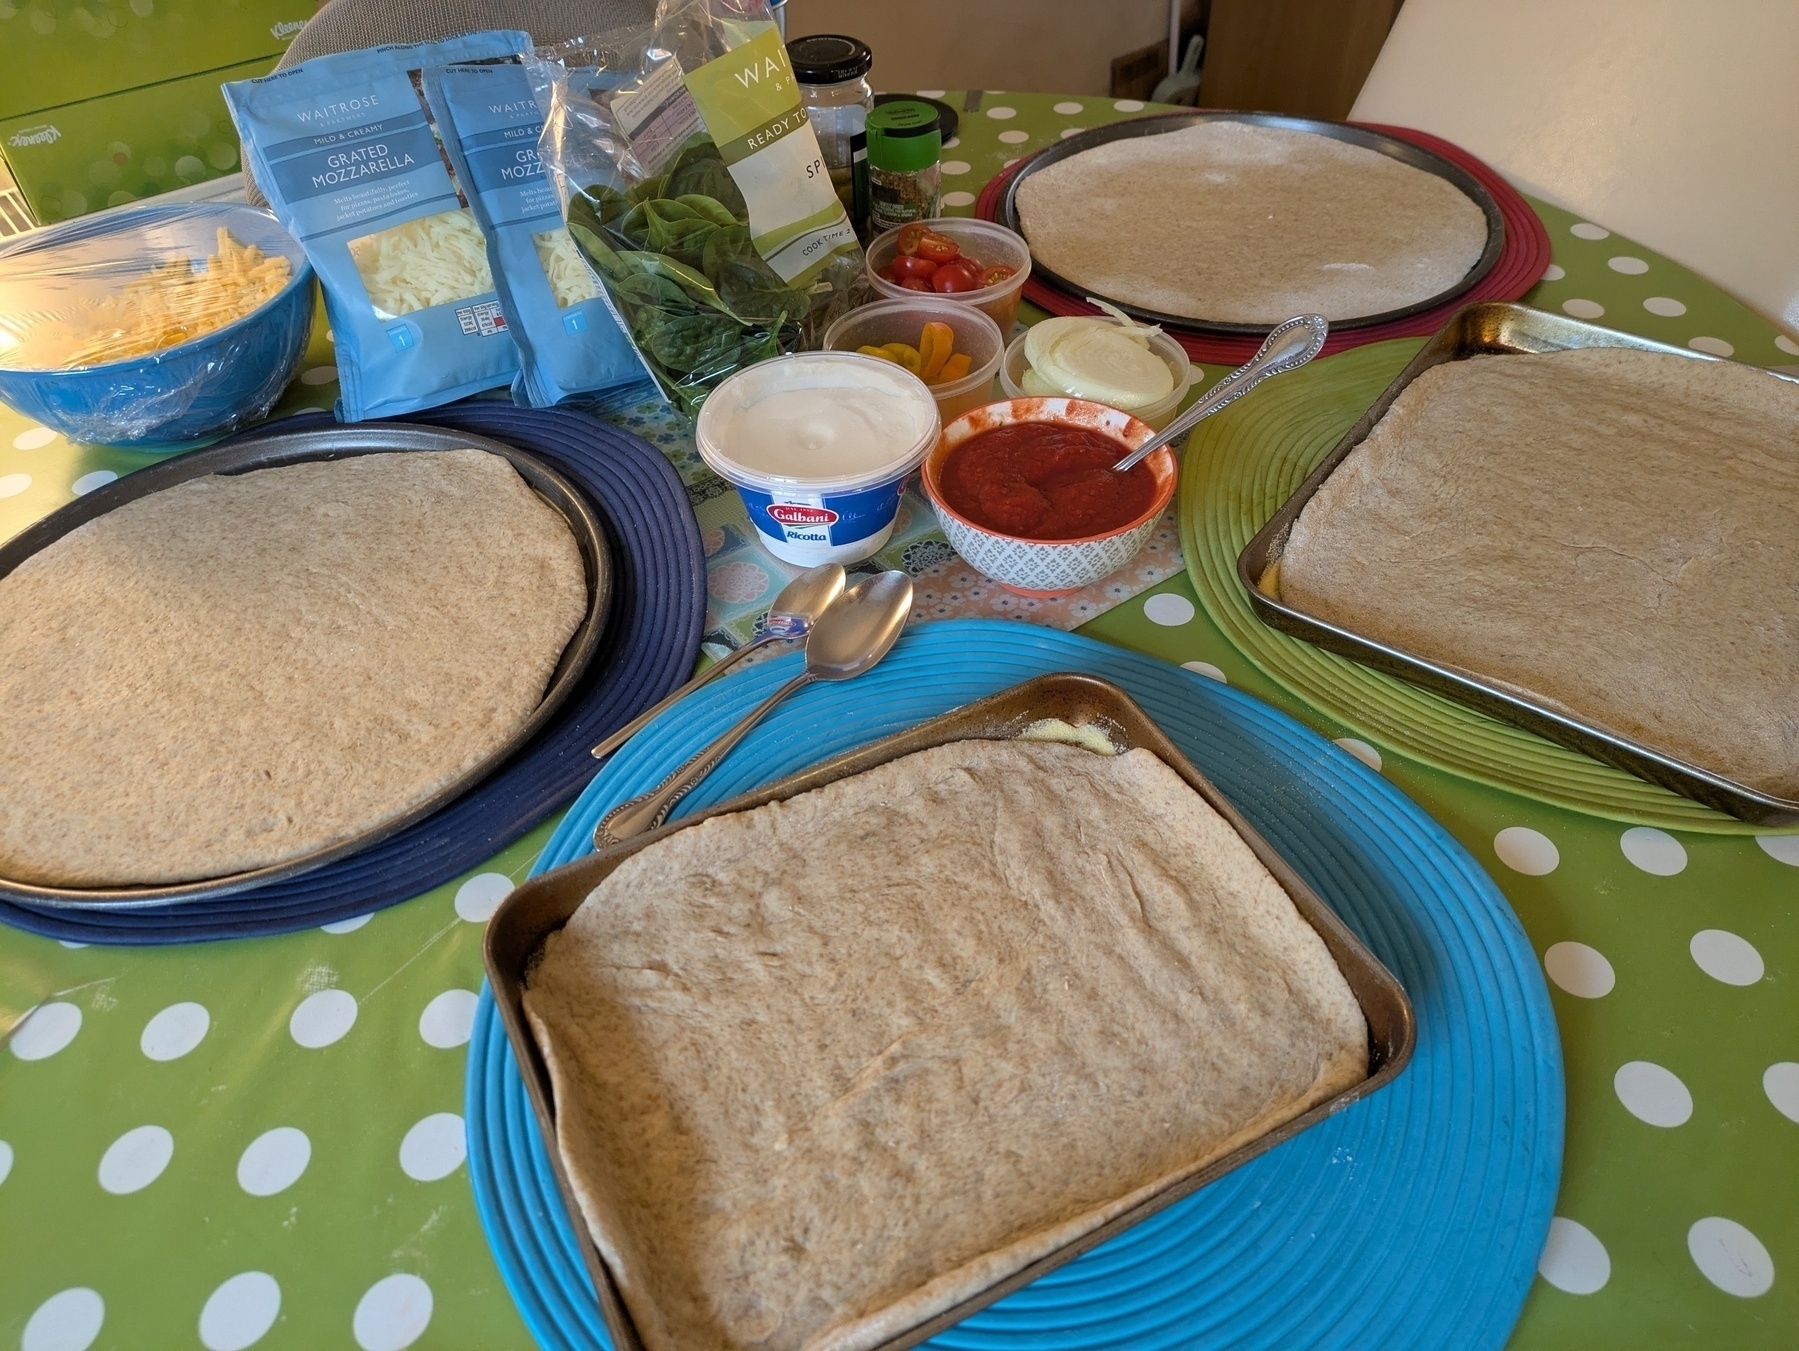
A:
(675, 255)
(697, 345)
(707, 208)
(698, 169)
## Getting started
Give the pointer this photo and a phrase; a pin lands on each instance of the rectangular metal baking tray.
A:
(268, 448)
(1489, 328)
(540, 907)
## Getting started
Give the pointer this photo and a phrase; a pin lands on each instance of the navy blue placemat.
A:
(651, 642)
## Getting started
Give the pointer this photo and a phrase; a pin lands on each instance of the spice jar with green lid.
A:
(904, 177)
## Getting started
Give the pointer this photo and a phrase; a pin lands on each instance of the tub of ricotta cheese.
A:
(819, 445)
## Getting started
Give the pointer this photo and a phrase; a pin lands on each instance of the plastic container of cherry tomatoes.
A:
(887, 321)
(991, 245)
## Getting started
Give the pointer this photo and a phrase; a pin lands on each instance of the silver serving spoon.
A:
(1290, 344)
(792, 615)
(855, 631)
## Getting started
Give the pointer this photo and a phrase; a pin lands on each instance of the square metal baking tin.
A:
(516, 933)
(1488, 329)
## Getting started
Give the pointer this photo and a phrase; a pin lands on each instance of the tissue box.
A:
(101, 104)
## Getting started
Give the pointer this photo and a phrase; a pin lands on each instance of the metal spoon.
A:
(1290, 344)
(853, 633)
(792, 615)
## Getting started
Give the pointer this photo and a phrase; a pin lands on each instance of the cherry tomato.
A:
(951, 279)
(910, 235)
(916, 284)
(905, 266)
(938, 248)
(993, 276)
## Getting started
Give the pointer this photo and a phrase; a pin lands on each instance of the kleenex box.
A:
(103, 103)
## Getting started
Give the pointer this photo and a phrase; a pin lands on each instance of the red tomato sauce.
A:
(1043, 480)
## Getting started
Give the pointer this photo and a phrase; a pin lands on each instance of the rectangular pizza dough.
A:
(825, 1068)
(1613, 532)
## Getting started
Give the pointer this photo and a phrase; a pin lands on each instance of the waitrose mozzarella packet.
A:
(344, 148)
(568, 340)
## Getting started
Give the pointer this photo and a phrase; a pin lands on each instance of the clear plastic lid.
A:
(992, 245)
(773, 426)
(130, 284)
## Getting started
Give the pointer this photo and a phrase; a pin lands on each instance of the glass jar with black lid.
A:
(832, 71)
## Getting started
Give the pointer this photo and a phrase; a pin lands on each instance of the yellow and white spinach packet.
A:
(692, 181)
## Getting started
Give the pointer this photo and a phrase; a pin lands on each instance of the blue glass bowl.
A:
(183, 395)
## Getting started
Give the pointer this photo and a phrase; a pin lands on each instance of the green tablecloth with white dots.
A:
(259, 1143)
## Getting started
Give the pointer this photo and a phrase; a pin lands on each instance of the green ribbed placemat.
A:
(1239, 467)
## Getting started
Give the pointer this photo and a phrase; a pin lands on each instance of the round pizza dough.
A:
(1238, 223)
(243, 670)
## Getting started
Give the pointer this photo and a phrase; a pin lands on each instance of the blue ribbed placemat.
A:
(649, 647)
(1412, 1219)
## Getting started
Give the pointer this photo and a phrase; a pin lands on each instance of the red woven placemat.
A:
(1520, 266)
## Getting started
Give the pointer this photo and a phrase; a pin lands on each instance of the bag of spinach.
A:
(693, 183)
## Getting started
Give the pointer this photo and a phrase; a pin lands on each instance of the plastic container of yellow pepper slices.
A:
(953, 348)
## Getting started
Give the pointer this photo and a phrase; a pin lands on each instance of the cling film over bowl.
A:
(155, 326)
(693, 183)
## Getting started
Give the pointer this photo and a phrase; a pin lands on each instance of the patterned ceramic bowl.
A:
(1049, 567)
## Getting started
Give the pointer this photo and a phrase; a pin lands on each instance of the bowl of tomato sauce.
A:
(1026, 491)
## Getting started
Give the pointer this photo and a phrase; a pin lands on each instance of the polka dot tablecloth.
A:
(259, 1144)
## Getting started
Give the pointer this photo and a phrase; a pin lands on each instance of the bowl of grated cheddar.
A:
(155, 328)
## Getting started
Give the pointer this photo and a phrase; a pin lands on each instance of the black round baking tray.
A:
(1381, 143)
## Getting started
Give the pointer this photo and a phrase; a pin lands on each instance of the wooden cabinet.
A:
(1307, 57)
(1062, 46)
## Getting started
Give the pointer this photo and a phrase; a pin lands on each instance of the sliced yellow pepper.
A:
(868, 351)
(935, 345)
(903, 355)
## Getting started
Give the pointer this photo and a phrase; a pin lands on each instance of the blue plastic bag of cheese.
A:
(569, 342)
(344, 148)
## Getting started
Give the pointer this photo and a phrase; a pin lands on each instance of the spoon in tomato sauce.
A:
(1290, 344)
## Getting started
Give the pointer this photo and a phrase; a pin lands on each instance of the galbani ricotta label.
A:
(792, 514)
(802, 524)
